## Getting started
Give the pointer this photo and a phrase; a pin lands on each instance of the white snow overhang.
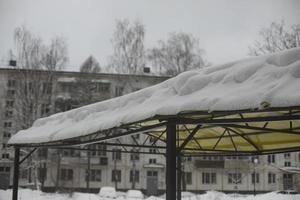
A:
(250, 105)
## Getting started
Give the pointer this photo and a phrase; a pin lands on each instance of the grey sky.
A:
(225, 27)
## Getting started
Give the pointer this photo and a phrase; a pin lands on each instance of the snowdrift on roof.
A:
(247, 84)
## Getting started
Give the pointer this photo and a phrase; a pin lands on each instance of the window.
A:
(116, 155)
(119, 91)
(5, 155)
(287, 176)
(271, 158)
(134, 175)
(116, 175)
(204, 157)
(45, 109)
(42, 153)
(8, 113)
(95, 175)
(152, 161)
(4, 169)
(287, 163)
(235, 178)
(68, 152)
(103, 161)
(188, 177)
(6, 134)
(11, 83)
(209, 178)
(66, 174)
(7, 124)
(9, 104)
(98, 150)
(255, 178)
(152, 173)
(134, 155)
(10, 93)
(271, 178)
(287, 155)
(188, 158)
(4, 145)
(103, 87)
(152, 150)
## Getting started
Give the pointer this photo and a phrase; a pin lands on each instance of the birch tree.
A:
(276, 37)
(35, 80)
(128, 45)
(179, 53)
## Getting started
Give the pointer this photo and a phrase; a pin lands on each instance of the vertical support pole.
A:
(254, 189)
(16, 174)
(171, 162)
(88, 175)
(179, 175)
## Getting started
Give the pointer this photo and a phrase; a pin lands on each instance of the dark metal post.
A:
(16, 174)
(171, 162)
(88, 175)
(254, 189)
(179, 174)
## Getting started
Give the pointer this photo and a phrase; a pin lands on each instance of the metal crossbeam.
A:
(183, 120)
(29, 154)
(190, 136)
(95, 150)
(77, 141)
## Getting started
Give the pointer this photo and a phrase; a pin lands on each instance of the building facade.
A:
(106, 166)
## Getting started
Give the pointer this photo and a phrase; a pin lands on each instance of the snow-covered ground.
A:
(26, 194)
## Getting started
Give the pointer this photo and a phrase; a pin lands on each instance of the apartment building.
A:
(69, 169)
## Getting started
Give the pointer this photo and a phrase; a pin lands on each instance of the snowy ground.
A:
(26, 194)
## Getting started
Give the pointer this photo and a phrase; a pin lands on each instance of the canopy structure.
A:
(250, 106)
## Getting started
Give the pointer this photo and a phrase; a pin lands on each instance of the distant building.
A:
(68, 169)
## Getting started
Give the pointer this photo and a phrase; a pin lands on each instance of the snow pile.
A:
(134, 194)
(272, 80)
(26, 194)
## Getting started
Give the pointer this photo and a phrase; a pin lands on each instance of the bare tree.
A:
(181, 52)
(128, 44)
(35, 83)
(275, 38)
(35, 79)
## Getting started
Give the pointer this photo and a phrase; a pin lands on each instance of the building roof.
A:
(260, 87)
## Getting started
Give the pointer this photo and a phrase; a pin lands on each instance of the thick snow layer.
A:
(26, 194)
(245, 84)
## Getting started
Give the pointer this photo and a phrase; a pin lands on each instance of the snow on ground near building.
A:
(247, 84)
(26, 194)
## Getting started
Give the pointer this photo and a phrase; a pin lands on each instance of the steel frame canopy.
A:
(246, 107)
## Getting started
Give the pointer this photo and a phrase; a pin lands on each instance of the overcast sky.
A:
(225, 28)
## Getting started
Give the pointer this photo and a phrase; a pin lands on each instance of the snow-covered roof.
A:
(246, 84)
